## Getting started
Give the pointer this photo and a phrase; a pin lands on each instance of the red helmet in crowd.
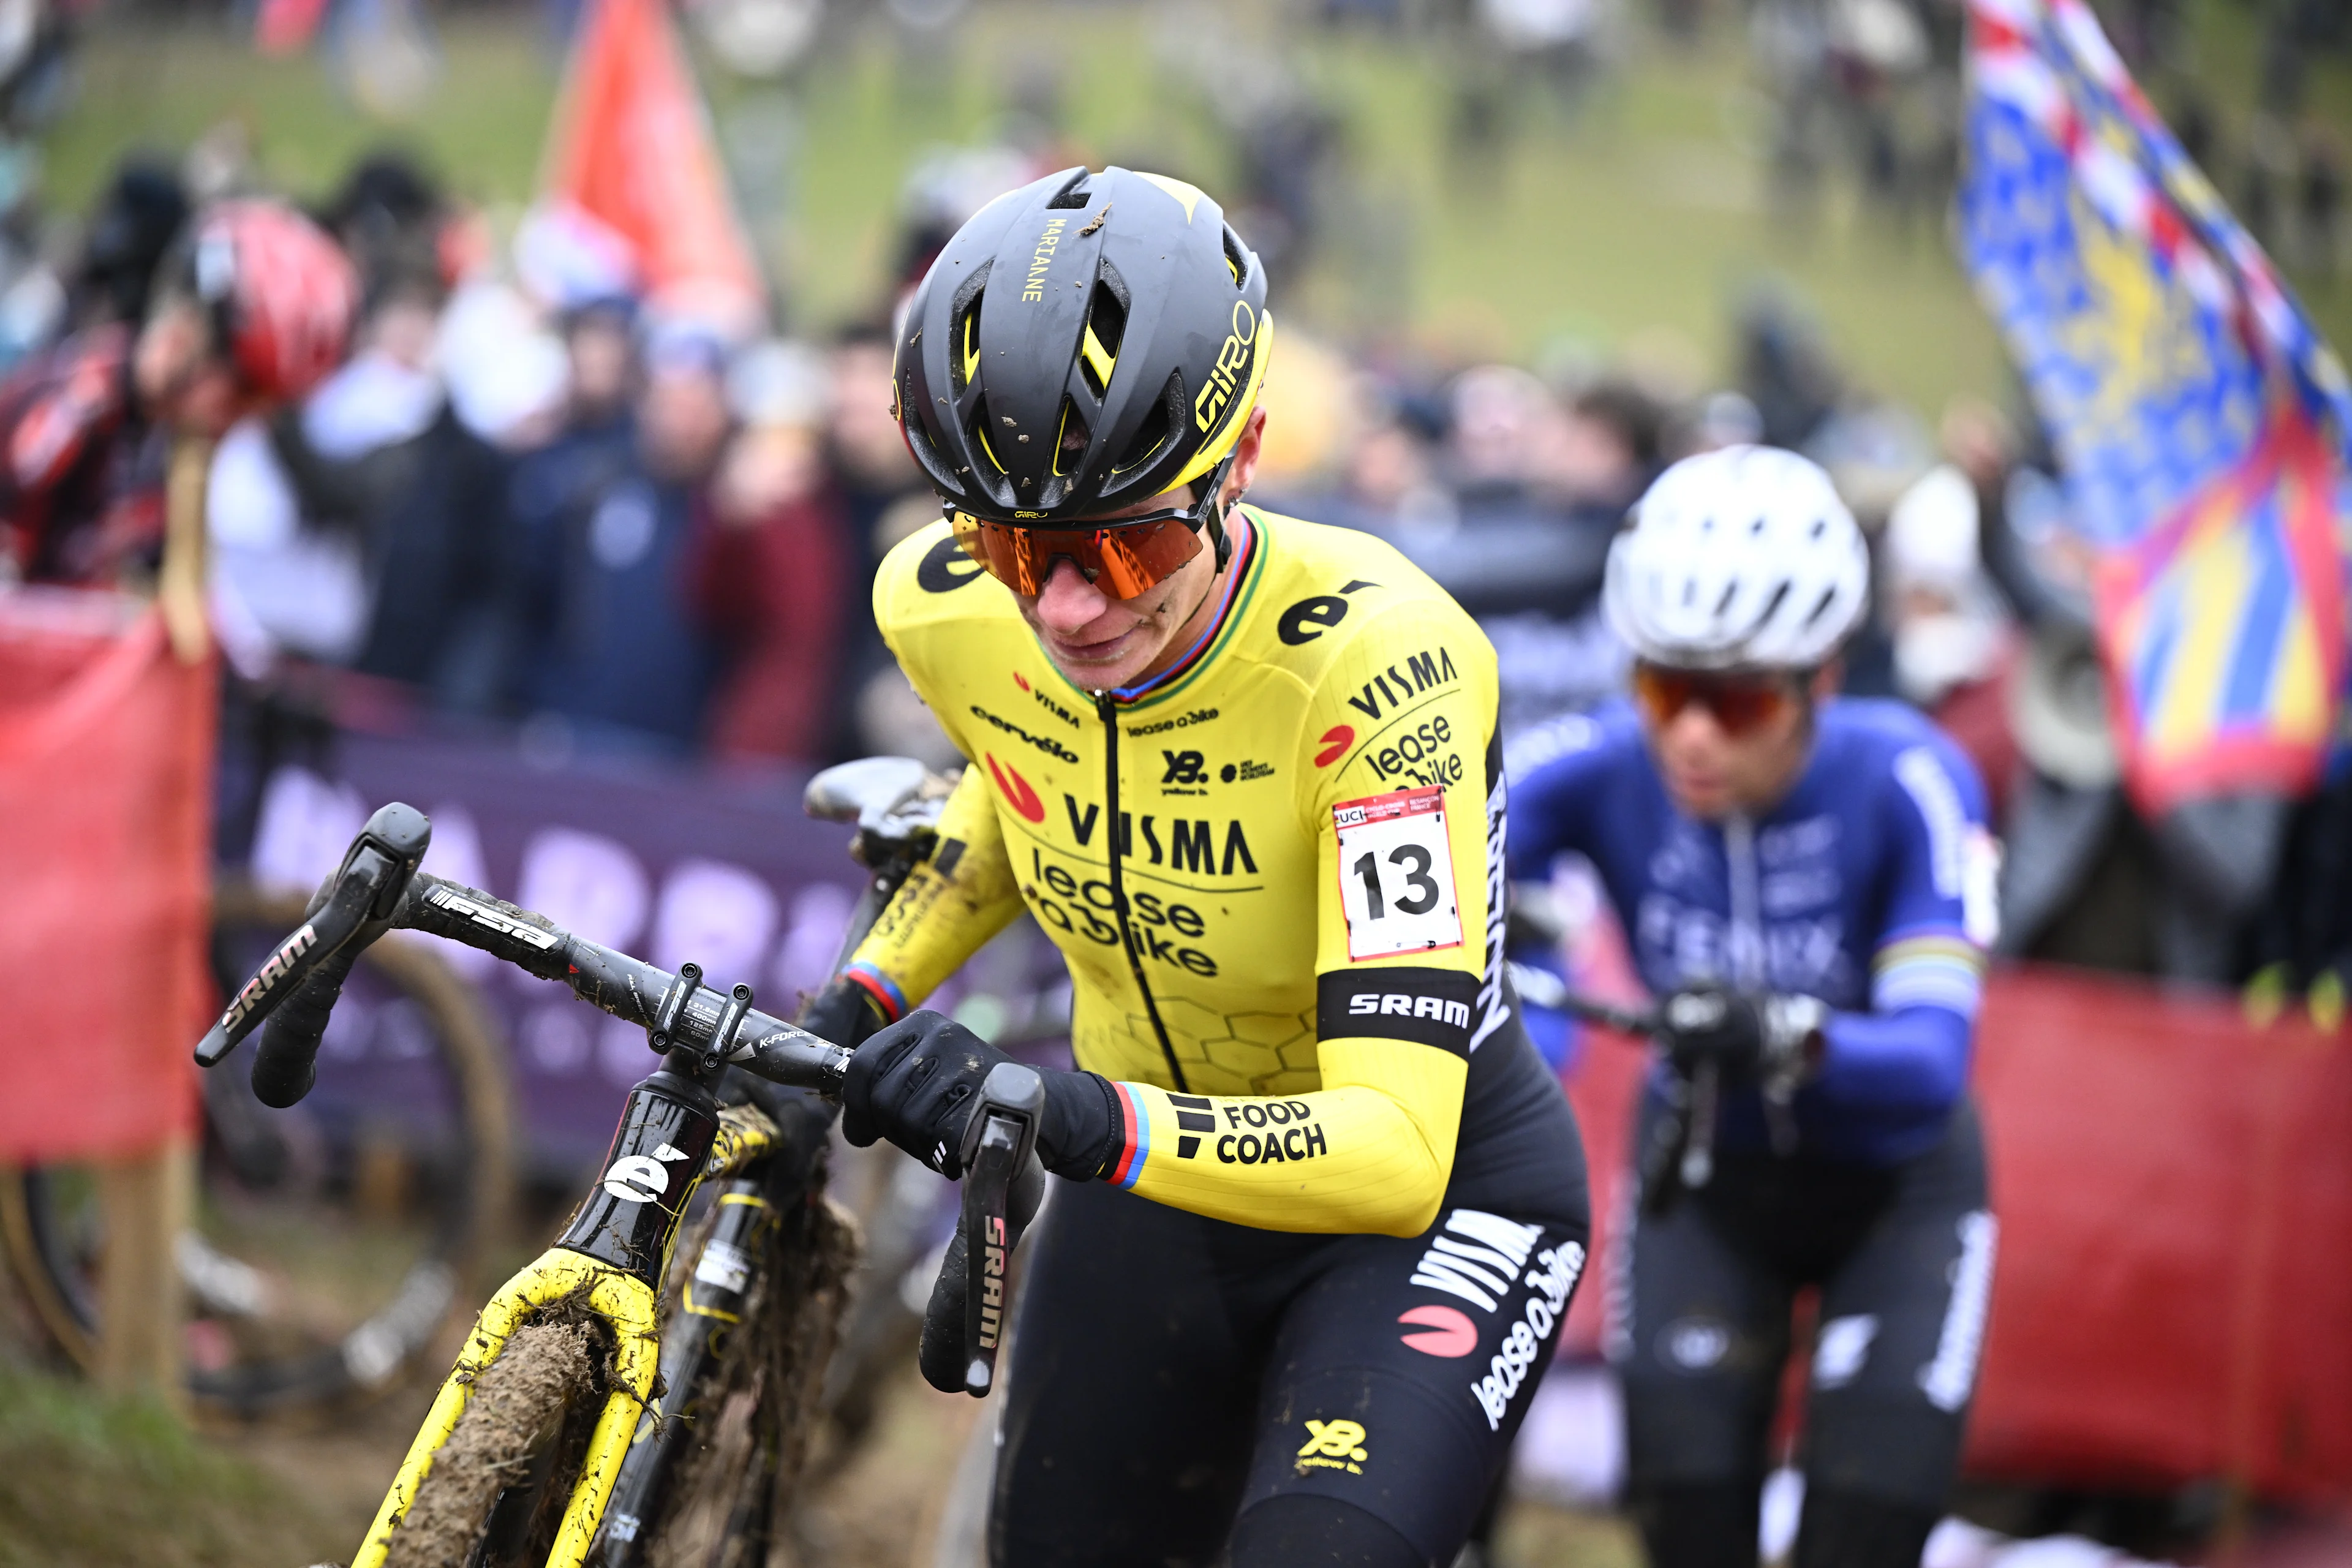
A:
(282, 295)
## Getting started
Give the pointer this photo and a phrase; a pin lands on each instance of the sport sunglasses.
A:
(1123, 556)
(1738, 703)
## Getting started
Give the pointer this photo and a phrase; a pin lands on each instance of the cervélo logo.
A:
(1045, 743)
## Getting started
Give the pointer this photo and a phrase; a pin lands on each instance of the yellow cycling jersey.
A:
(1303, 821)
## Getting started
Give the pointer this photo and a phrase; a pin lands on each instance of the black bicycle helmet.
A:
(1084, 343)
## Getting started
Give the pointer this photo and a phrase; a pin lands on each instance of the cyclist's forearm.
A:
(934, 932)
(1370, 1150)
(1913, 1057)
(963, 894)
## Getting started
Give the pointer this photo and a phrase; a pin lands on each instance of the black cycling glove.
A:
(1771, 1038)
(918, 1082)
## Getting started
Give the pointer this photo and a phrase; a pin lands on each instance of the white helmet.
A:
(1741, 557)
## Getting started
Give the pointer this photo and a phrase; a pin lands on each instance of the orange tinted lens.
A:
(1135, 559)
(998, 550)
(1737, 703)
(1121, 562)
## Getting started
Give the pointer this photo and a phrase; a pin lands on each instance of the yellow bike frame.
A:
(619, 1293)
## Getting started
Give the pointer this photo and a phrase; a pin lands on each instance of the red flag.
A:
(633, 151)
(106, 743)
(287, 26)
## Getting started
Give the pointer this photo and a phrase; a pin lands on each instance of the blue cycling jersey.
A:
(1870, 886)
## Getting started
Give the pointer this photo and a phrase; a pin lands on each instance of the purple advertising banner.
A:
(672, 864)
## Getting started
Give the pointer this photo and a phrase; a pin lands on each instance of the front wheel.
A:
(499, 1488)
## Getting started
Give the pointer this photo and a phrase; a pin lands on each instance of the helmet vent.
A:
(1772, 604)
(1098, 345)
(963, 342)
(1237, 257)
(1152, 433)
(978, 435)
(1070, 445)
(1073, 195)
(1828, 596)
(918, 441)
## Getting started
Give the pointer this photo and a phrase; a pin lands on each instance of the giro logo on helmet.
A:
(1227, 374)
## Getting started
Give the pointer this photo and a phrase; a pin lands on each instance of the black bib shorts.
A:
(1171, 1374)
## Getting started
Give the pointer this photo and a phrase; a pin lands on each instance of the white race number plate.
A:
(1396, 873)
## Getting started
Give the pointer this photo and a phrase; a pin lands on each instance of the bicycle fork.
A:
(712, 1302)
(609, 1259)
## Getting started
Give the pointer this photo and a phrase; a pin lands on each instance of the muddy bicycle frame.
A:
(615, 1253)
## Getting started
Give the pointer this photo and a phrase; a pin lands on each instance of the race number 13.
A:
(1396, 873)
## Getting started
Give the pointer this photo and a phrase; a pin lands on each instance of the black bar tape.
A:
(287, 1064)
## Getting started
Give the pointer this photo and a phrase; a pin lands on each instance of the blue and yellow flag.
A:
(2201, 425)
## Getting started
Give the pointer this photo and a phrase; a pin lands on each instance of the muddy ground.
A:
(880, 1510)
(88, 1483)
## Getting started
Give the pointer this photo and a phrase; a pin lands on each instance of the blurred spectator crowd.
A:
(529, 498)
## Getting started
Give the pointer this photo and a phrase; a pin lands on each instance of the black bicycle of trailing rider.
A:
(578, 1406)
(1681, 1155)
(326, 1251)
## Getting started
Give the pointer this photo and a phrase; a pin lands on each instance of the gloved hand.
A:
(1772, 1038)
(843, 1012)
(917, 1083)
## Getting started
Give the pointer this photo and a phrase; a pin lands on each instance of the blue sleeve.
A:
(1913, 1060)
(1555, 771)
(1911, 1050)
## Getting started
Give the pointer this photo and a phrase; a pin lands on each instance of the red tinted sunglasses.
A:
(1123, 556)
(1122, 561)
(1737, 703)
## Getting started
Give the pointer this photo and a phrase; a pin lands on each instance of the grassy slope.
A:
(1637, 222)
(157, 84)
(85, 1483)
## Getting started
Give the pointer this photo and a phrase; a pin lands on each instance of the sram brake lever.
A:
(364, 892)
(1002, 1185)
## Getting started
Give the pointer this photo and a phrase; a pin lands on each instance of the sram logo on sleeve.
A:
(1396, 873)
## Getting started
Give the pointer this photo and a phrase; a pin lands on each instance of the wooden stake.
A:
(180, 584)
(146, 1201)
